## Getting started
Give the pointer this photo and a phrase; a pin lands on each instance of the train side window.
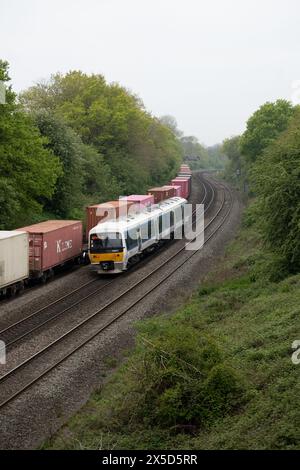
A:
(131, 239)
(172, 219)
(151, 229)
(146, 231)
(160, 223)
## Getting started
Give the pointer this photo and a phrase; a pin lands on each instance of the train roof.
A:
(132, 220)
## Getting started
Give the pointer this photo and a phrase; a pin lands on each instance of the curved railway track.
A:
(107, 318)
(19, 330)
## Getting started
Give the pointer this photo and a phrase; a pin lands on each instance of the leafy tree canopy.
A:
(28, 171)
(276, 179)
(264, 126)
(139, 150)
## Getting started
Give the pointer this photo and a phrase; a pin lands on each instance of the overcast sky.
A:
(208, 63)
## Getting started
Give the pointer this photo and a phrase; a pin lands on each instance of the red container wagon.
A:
(184, 184)
(162, 193)
(107, 210)
(186, 176)
(140, 201)
(171, 190)
(189, 183)
(177, 191)
(51, 244)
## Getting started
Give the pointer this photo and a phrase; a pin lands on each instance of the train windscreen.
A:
(107, 242)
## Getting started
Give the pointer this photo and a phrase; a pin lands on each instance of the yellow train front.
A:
(107, 250)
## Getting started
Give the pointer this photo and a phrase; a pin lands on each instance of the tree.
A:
(276, 179)
(170, 122)
(139, 149)
(28, 171)
(264, 126)
(195, 153)
(84, 172)
(236, 163)
(217, 157)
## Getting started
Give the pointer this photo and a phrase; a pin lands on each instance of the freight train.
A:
(34, 252)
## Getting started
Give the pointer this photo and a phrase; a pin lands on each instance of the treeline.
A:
(265, 160)
(198, 156)
(76, 140)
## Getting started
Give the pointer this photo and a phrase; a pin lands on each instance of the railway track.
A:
(31, 377)
(30, 324)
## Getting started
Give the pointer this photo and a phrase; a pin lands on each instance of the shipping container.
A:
(184, 184)
(106, 211)
(177, 190)
(140, 201)
(189, 182)
(162, 193)
(185, 167)
(53, 243)
(171, 190)
(13, 261)
(186, 176)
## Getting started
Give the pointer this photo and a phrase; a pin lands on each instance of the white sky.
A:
(208, 63)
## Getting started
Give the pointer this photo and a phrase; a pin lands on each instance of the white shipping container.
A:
(14, 263)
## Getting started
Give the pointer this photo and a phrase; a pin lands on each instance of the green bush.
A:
(174, 379)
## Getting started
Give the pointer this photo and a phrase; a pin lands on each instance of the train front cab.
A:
(113, 253)
(117, 247)
(107, 252)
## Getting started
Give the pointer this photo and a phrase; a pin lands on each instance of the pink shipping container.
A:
(184, 183)
(52, 243)
(178, 190)
(140, 201)
(106, 210)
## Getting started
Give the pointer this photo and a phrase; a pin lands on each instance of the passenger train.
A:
(115, 245)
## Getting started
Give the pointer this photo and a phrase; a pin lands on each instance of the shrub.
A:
(176, 378)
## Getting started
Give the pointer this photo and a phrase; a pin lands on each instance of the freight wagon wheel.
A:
(20, 288)
(44, 278)
(11, 292)
(50, 274)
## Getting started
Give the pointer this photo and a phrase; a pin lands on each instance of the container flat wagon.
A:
(52, 244)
